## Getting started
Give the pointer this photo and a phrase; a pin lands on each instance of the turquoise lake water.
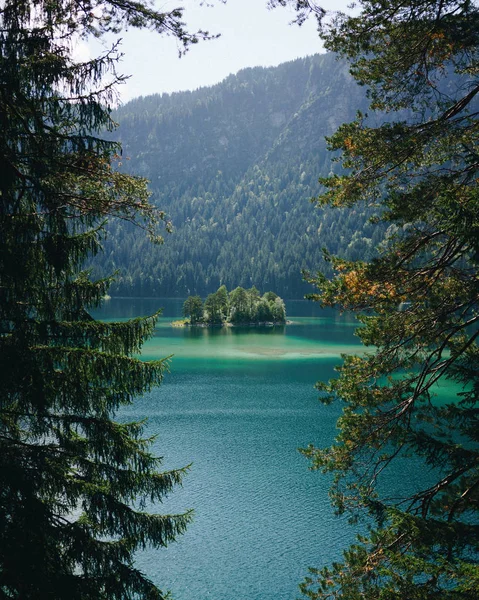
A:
(237, 405)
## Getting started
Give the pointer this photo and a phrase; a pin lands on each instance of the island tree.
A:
(263, 311)
(193, 308)
(278, 310)
(223, 299)
(75, 485)
(418, 303)
(237, 307)
(213, 312)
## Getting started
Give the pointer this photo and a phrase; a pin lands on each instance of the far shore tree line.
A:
(236, 307)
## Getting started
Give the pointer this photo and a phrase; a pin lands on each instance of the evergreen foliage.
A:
(193, 308)
(74, 484)
(418, 303)
(239, 307)
(235, 166)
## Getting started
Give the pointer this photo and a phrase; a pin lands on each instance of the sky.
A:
(251, 35)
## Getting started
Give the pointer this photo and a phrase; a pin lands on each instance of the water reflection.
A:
(172, 308)
(219, 331)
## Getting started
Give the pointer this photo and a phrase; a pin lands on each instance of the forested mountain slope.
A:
(234, 166)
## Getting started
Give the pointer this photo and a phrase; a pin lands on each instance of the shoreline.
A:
(244, 324)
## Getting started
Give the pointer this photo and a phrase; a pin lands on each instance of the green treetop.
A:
(418, 301)
(239, 306)
(213, 309)
(263, 310)
(223, 299)
(193, 308)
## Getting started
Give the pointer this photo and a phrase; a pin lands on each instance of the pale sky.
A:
(251, 35)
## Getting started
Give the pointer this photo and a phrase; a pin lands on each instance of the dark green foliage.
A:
(223, 299)
(213, 313)
(278, 310)
(239, 307)
(74, 484)
(193, 308)
(270, 296)
(235, 166)
(418, 302)
(263, 310)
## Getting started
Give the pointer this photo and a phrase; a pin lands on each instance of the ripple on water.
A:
(237, 406)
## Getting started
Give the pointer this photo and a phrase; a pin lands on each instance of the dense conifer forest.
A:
(234, 167)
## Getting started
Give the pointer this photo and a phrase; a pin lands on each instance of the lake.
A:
(237, 405)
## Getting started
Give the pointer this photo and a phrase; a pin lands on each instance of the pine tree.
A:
(418, 302)
(74, 484)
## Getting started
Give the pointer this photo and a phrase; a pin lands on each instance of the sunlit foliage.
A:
(418, 303)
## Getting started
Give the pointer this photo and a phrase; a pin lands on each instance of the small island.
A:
(240, 307)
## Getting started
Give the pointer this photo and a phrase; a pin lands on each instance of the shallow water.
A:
(237, 405)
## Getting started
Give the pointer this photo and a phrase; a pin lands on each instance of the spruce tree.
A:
(418, 302)
(74, 484)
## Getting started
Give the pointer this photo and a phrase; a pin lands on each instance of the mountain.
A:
(234, 166)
